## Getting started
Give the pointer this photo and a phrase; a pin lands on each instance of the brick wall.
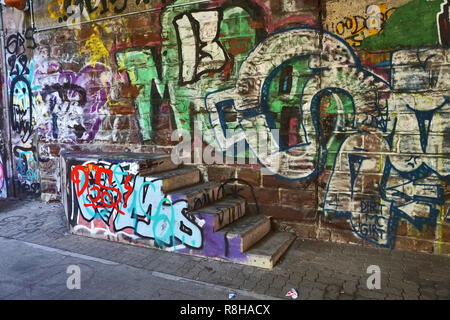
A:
(357, 94)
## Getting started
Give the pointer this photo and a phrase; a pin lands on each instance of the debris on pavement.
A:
(292, 293)
(232, 295)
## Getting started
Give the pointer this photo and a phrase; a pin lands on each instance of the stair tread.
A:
(271, 244)
(196, 188)
(160, 163)
(171, 173)
(244, 225)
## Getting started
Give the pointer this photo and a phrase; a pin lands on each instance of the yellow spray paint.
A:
(96, 49)
(56, 9)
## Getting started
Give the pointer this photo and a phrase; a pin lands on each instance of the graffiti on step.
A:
(200, 48)
(125, 201)
(70, 109)
(73, 11)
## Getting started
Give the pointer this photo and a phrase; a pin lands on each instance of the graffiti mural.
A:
(21, 114)
(75, 11)
(70, 111)
(292, 80)
(200, 48)
(346, 109)
(366, 123)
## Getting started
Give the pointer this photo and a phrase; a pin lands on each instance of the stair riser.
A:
(216, 245)
(223, 216)
(157, 165)
(250, 238)
(179, 181)
(202, 198)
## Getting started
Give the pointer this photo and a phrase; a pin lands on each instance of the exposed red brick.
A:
(262, 195)
(138, 22)
(251, 176)
(402, 228)
(427, 232)
(302, 230)
(123, 109)
(54, 149)
(345, 236)
(220, 174)
(443, 248)
(144, 39)
(131, 91)
(276, 182)
(340, 223)
(290, 197)
(413, 244)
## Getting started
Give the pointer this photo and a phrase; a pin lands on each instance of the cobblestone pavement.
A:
(317, 270)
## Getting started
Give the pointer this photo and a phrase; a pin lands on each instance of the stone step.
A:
(176, 179)
(155, 164)
(269, 250)
(200, 195)
(247, 231)
(221, 213)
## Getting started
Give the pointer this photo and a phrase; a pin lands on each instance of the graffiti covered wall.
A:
(341, 108)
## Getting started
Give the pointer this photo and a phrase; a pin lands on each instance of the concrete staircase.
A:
(206, 211)
(245, 237)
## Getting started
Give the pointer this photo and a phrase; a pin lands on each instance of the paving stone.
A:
(345, 297)
(409, 294)
(316, 294)
(392, 290)
(314, 284)
(443, 293)
(303, 293)
(332, 292)
(428, 296)
(311, 275)
(350, 287)
(275, 292)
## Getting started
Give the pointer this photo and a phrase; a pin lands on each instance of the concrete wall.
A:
(358, 92)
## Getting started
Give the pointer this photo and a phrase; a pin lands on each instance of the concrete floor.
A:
(36, 250)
